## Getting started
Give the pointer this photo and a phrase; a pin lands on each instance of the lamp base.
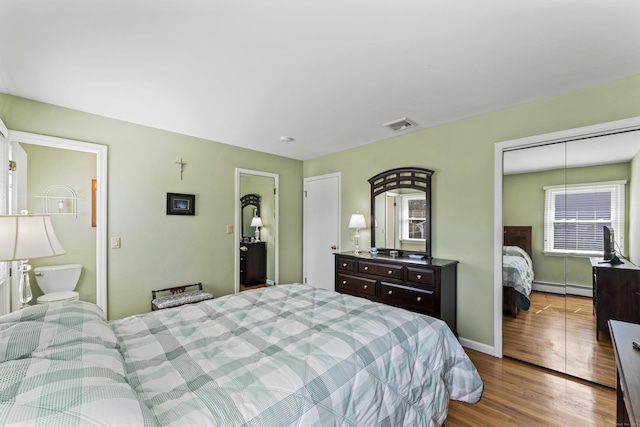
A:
(24, 291)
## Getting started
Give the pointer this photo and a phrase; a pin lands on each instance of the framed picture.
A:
(181, 204)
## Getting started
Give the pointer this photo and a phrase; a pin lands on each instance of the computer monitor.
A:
(609, 248)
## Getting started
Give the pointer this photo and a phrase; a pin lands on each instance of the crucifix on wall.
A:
(181, 163)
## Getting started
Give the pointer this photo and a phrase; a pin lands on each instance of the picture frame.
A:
(181, 204)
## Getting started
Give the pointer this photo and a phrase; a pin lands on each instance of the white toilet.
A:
(58, 282)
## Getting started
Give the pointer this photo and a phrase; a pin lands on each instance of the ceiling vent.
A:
(400, 124)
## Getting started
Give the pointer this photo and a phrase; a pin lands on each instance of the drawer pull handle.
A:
(419, 276)
(344, 282)
(366, 286)
(390, 272)
(366, 267)
(419, 299)
(390, 292)
(344, 264)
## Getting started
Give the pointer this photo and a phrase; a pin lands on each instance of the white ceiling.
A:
(327, 73)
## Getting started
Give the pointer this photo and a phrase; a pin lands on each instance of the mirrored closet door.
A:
(563, 195)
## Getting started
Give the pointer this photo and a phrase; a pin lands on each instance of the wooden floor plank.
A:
(520, 394)
(558, 332)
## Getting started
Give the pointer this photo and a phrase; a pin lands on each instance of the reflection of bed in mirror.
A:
(517, 269)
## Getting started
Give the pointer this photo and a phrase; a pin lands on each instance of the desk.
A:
(628, 372)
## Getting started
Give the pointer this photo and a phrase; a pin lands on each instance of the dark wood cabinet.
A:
(616, 293)
(253, 263)
(623, 335)
(425, 286)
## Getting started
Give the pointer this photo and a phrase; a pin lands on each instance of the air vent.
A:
(400, 124)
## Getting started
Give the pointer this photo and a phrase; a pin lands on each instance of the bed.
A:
(281, 355)
(517, 269)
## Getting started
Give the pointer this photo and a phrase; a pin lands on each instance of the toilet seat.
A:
(57, 297)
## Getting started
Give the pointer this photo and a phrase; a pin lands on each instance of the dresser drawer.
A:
(419, 275)
(390, 271)
(416, 299)
(345, 264)
(355, 285)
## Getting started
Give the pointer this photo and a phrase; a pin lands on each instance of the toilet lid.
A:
(58, 296)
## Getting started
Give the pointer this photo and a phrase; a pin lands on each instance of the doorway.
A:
(100, 152)
(554, 303)
(256, 243)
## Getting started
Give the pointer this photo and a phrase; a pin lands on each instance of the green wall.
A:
(462, 156)
(523, 204)
(159, 250)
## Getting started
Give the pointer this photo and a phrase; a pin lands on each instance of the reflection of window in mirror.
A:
(414, 215)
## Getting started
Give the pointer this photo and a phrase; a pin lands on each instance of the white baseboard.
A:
(552, 288)
(477, 346)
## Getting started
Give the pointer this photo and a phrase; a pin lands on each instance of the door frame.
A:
(532, 141)
(237, 232)
(101, 197)
(305, 252)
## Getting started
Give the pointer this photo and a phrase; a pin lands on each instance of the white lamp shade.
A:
(256, 222)
(357, 221)
(24, 237)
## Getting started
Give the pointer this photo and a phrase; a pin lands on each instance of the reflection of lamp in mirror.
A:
(357, 222)
(257, 223)
(26, 237)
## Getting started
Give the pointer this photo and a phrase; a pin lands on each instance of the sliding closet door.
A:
(537, 335)
(592, 202)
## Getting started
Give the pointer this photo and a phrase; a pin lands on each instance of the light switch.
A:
(115, 243)
(229, 229)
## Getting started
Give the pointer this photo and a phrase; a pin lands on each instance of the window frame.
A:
(404, 216)
(617, 220)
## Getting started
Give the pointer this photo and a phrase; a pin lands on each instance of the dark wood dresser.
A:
(616, 293)
(253, 263)
(420, 285)
(628, 372)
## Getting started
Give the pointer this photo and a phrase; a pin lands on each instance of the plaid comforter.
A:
(517, 273)
(60, 366)
(294, 355)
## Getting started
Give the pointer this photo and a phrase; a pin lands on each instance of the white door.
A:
(17, 203)
(321, 232)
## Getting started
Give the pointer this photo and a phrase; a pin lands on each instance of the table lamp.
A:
(26, 237)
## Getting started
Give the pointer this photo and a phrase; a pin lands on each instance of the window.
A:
(414, 216)
(575, 214)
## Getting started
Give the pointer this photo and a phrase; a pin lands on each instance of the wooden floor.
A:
(246, 288)
(559, 334)
(519, 394)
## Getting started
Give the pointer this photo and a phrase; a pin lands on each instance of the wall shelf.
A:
(65, 200)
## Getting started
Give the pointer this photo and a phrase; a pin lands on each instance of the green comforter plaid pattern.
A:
(517, 273)
(60, 366)
(294, 355)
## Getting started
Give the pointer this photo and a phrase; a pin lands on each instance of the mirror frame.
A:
(248, 200)
(393, 179)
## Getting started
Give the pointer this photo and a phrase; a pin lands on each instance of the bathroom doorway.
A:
(81, 215)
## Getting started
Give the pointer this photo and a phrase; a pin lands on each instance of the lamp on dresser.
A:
(257, 223)
(357, 221)
(26, 237)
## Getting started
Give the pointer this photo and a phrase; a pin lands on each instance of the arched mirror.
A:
(250, 205)
(401, 211)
